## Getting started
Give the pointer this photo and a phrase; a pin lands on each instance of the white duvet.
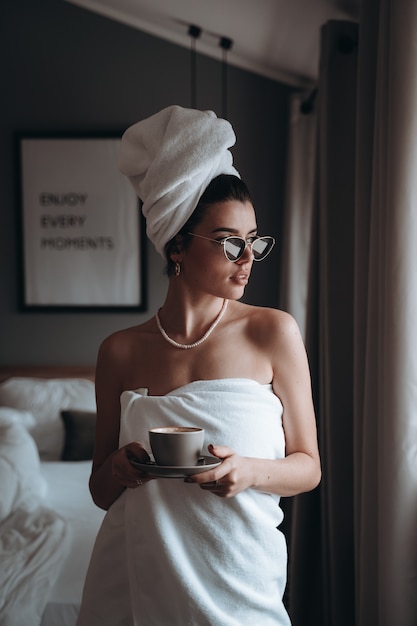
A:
(32, 548)
(34, 540)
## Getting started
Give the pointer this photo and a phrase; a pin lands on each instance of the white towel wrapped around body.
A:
(171, 554)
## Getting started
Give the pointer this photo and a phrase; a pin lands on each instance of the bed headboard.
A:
(47, 371)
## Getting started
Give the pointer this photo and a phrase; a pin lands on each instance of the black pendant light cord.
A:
(225, 45)
(194, 32)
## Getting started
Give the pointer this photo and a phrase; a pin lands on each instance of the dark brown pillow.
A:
(79, 434)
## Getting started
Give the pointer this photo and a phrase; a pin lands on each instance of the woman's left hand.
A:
(227, 479)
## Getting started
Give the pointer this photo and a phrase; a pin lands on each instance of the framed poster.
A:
(82, 234)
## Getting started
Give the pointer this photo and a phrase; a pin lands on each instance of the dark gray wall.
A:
(67, 69)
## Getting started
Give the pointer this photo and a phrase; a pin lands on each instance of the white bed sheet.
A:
(69, 496)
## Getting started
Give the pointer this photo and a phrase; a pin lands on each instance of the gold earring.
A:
(177, 269)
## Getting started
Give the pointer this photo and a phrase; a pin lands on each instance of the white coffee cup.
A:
(176, 445)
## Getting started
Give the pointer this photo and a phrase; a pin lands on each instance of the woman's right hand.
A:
(123, 470)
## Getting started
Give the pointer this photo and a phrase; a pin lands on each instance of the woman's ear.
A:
(177, 248)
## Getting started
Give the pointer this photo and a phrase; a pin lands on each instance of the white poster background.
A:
(81, 225)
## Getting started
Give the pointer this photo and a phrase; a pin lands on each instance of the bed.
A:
(48, 522)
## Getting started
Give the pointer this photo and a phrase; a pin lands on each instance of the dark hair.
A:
(223, 188)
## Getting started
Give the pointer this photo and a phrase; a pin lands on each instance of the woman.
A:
(206, 550)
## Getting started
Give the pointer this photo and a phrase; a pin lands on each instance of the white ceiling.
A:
(275, 38)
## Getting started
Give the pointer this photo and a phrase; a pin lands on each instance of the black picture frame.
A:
(82, 235)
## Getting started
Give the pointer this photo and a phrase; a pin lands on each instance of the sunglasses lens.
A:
(234, 247)
(262, 247)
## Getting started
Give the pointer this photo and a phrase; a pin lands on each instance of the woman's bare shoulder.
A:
(126, 340)
(268, 321)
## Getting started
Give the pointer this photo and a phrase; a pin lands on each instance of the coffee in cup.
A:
(176, 445)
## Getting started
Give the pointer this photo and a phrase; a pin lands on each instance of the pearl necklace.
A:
(187, 346)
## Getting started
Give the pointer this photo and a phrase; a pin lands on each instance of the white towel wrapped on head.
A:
(170, 158)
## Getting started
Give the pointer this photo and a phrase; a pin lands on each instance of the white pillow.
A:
(14, 416)
(21, 482)
(45, 399)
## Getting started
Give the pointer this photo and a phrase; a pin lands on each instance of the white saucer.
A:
(175, 471)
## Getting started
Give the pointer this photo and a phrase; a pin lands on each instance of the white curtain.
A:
(296, 239)
(354, 540)
(296, 242)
